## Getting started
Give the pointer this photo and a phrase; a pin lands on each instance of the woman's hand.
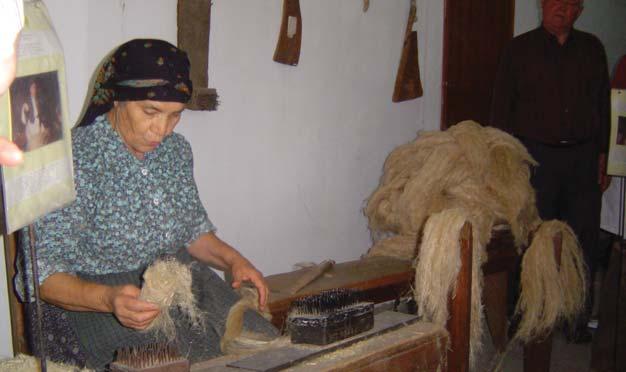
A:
(210, 249)
(75, 294)
(242, 270)
(129, 309)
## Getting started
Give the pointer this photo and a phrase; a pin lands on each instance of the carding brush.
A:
(328, 317)
(156, 357)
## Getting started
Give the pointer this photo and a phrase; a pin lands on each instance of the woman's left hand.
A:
(242, 270)
(212, 250)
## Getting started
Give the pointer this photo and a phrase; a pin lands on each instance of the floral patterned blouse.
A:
(127, 211)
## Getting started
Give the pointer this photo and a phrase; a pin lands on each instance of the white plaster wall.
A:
(284, 165)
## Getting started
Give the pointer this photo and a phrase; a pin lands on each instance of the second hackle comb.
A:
(156, 357)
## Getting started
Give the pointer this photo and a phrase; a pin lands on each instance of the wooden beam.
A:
(460, 307)
(194, 24)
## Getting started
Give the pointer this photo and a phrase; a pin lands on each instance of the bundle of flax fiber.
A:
(167, 283)
(431, 186)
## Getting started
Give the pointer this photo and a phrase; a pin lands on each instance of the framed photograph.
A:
(34, 114)
(616, 165)
(36, 118)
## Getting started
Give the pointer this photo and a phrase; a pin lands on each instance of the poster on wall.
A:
(617, 143)
(34, 115)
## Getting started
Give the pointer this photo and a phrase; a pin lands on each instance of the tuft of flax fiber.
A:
(167, 283)
(431, 186)
(437, 267)
(235, 339)
(479, 169)
(550, 293)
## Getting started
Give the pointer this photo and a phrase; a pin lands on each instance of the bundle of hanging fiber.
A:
(431, 186)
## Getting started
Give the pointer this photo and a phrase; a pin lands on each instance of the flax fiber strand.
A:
(167, 283)
(548, 293)
(235, 339)
(435, 183)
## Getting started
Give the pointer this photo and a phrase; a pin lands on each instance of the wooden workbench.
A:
(380, 278)
(417, 347)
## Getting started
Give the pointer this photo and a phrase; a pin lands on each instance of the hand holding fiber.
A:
(244, 271)
(129, 309)
(167, 283)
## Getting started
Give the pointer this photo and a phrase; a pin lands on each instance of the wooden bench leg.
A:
(537, 355)
(494, 299)
(460, 308)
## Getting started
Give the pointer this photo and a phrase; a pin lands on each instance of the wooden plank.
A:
(420, 347)
(277, 359)
(381, 279)
(417, 347)
(460, 307)
(194, 25)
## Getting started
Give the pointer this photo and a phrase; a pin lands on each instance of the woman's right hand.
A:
(129, 309)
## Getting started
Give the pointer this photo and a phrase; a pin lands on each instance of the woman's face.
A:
(144, 124)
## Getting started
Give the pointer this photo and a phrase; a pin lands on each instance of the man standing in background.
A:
(552, 93)
(11, 21)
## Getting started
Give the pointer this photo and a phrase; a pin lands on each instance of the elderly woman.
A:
(136, 201)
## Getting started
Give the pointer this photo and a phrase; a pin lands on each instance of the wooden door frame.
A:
(446, 56)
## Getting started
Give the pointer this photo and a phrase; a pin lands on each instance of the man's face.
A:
(560, 15)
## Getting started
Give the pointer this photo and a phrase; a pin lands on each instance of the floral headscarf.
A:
(141, 69)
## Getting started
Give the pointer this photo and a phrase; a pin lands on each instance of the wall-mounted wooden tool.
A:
(309, 276)
(290, 37)
(194, 23)
(408, 84)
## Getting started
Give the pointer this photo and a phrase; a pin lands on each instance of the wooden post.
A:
(620, 342)
(194, 24)
(494, 299)
(35, 272)
(460, 307)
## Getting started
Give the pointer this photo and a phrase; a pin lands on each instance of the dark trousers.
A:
(566, 185)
